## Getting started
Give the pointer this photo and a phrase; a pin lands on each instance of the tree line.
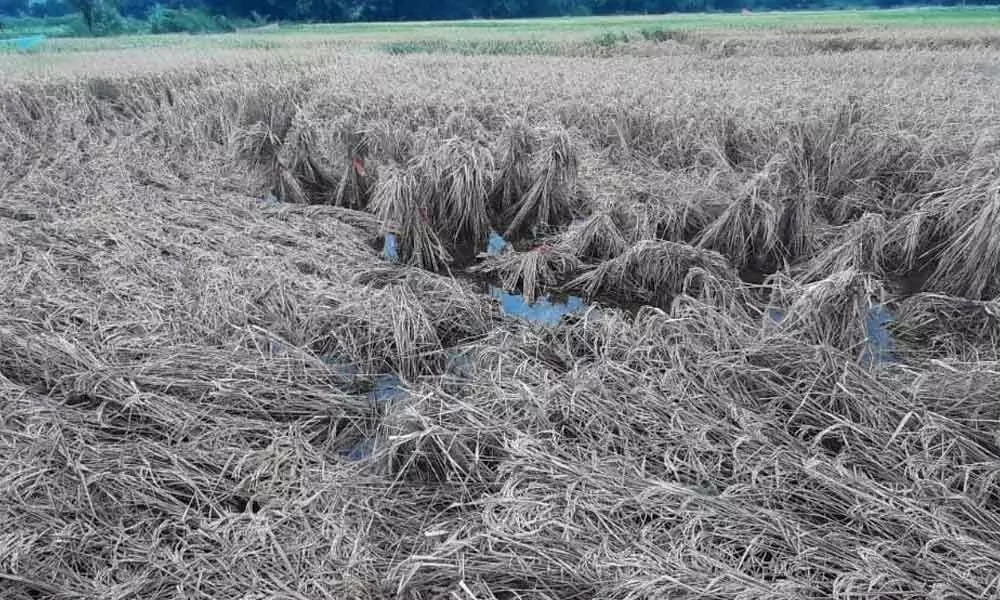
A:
(93, 11)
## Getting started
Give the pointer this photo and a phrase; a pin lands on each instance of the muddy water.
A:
(543, 310)
(879, 346)
(390, 248)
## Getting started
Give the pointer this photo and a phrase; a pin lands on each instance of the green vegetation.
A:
(564, 35)
(168, 20)
(477, 47)
(109, 17)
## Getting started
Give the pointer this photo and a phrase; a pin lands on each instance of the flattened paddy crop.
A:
(710, 315)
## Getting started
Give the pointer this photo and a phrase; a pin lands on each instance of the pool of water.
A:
(390, 247)
(388, 388)
(543, 310)
(361, 450)
(24, 44)
(879, 347)
(495, 244)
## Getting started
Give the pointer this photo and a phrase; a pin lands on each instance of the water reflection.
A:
(880, 348)
(543, 310)
(495, 244)
(390, 249)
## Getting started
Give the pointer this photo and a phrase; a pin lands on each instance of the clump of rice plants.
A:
(650, 272)
(938, 326)
(599, 237)
(405, 326)
(288, 147)
(969, 265)
(534, 271)
(441, 197)
(299, 176)
(514, 148)
(747, 232)
(800, 226)
(398, 202)
(832, 311)
(550, 198)
(949, 234)
(456, 178)
(261, 122)
(860, 246)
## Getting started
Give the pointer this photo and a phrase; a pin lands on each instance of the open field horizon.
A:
(919, 21)
(257, 330)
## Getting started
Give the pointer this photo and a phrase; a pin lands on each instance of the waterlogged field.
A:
(561, 309)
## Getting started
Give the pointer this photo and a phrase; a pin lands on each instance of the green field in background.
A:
(534, 30)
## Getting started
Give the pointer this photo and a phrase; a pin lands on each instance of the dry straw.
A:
(533, 272)
(649, 272)
(209, 394)
(551, 196)
(748, 231)
(398, 200)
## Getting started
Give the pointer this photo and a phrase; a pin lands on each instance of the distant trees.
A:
(45, 8)
(94, 12)
(100, 17)
(88, 10)
(13, 7)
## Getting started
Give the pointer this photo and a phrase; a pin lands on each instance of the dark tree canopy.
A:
(13, 7)
(406, 10)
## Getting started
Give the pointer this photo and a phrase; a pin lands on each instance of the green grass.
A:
(516, 36)
(558, 27)
(18, 27)
(475, 47)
